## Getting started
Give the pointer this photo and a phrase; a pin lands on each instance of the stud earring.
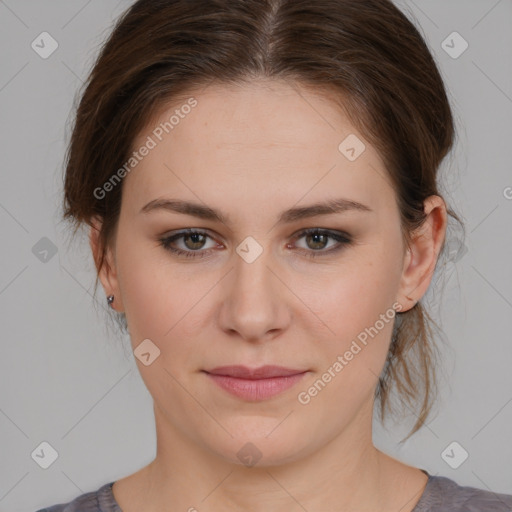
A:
(110, 299)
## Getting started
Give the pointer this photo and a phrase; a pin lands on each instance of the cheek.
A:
(354, 294)
(161, 304)
(359, 310)
(356, 304)
(150, 299)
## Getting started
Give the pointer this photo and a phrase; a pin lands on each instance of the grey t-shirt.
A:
(440, 495)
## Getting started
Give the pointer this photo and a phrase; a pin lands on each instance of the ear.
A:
(107, 274)
(421, 257)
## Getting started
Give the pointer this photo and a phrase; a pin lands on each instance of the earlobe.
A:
(421, 258)
(107, 273)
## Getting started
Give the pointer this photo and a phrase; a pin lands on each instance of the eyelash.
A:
(343, 240)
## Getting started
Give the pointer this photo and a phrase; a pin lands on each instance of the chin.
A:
(254, 444)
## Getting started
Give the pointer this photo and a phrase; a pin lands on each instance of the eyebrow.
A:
(293, 214)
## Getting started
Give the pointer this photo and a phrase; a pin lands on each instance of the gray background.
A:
(65, 379)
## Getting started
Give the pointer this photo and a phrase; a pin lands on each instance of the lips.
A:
(255, 384)
(263, 372)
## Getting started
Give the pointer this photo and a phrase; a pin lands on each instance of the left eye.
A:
(320, 238)
(316, 239)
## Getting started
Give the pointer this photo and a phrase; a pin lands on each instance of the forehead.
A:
(264, 139)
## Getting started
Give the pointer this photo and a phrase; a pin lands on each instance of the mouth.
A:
(255, 384)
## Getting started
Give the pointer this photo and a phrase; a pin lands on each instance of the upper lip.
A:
(263, 372)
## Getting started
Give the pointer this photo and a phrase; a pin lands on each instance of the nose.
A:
(256, 304)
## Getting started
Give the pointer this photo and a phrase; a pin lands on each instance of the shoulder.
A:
(101, 500)
(445, 495)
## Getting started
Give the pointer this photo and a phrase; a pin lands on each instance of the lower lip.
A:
(256, 389)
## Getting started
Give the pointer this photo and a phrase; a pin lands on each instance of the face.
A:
(269, 282)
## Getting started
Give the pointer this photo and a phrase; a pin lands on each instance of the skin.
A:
(252, 151)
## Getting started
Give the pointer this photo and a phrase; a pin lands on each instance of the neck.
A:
(347, 473)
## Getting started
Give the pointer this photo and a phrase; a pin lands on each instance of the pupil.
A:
(316, 236)
(194, 236)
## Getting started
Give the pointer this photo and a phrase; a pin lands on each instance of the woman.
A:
(260, 182)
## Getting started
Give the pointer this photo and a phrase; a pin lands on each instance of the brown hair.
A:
(365, 52)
